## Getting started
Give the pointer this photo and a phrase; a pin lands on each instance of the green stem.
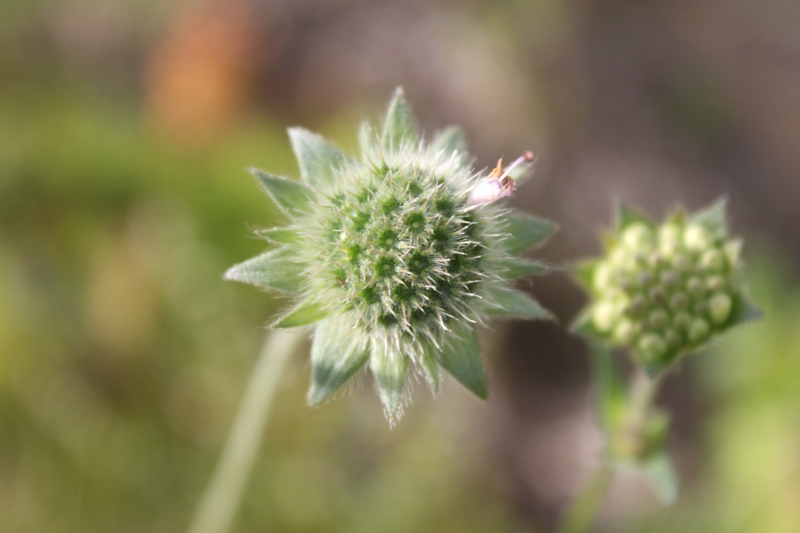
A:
(221, 499)
(581, 512)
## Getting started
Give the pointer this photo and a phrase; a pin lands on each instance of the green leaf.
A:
(390, 369)
(290, 195)
(461, 357)
(714, 219)
(512, 303)
(318, 160)
(583, 272)
(524, 231)
(430, 367)
(660, 473)
(398, 128)
(335, 357)
(304, 314)
(367, 141)
(275, 269)
(626, 215)
(611, 392)
(515, 267)
(450, 140)
(280, 235)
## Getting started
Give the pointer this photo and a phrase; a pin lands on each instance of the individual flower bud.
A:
(624, 332)
(697, 238)
(605, 315)
(637, 305)
(698, 331)
(652, 347)
(669, 239)
(637, 237)
(678, 301)
(715, 283)
(673, 338)
(658, 319)
(719, 306)
(695, 286)
(657, 295)
(670, 279)
(713, 261)
(394, 256)
(603, 277)
(681, 321)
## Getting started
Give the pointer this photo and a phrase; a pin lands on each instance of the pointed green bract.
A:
(389, 369)
(660, 473)
(745, 311)
(304, 314)
(398, 128)
(289, 195)
(524, 231)
(430, 367)
(335, 358)
(461, 357)
(275, 269)
(513, 268)
(279, 235)
(512, 303)
(714, 219)
(318, 159)
(625, 215)
(367, 141)
(450, 140)
(583, 271)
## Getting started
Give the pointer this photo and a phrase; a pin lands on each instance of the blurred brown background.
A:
(124, 129)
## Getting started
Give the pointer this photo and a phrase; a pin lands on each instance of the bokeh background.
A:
(125, 127)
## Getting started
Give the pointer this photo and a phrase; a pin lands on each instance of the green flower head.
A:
(666, 290)
(395, 257)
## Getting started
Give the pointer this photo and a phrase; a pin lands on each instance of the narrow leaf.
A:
(625, 215)
(335, 357)
(288, 194)
(461, 357)
(279, 235)
(515, 267)
(304, 314)
(318, 159)
(398, 127)
(524, 231)
(389, 369)
(660, 473)
(448, 141)
(275, 269)
(512, 303)
(714, 219)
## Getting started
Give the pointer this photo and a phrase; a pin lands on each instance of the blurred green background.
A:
(124, 130)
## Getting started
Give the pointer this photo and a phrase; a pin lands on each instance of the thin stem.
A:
(218, 507)
(579, 516)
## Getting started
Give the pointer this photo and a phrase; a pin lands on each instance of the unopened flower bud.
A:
(698, 331)
(624, 332)
(713, 260)
(652, 347)
(658, 319)
(637, 237)
(678, 301)
(697, 238)
(719, 306)
(695, 286)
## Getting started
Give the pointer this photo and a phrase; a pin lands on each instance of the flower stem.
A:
(581, 512)
(221, 499)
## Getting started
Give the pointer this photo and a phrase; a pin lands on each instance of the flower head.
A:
(666, 290)
(392, 259)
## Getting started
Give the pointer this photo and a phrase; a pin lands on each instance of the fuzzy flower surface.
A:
(395, 257)
(665, 290)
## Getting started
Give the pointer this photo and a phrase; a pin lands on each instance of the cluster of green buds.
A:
(395, 257)
(663, 291)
